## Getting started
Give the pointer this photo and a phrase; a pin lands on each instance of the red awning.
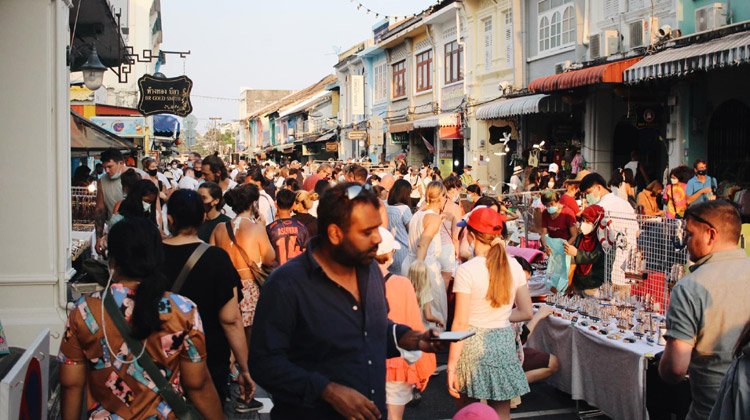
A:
(605, 73)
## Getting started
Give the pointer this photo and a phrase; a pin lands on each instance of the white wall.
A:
(34, 168)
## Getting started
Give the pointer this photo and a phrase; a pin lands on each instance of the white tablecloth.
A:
(608, 374)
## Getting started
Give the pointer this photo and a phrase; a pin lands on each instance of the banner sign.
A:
(356, 135)
(122, 126)
(358, 94)
(165, 96)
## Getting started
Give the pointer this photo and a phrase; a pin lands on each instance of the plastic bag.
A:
(558, 265)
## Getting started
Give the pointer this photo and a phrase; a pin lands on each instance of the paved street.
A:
(544, 402)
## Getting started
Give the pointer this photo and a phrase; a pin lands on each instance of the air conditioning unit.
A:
(595, 46)
(611, 42)
(562, 66)
(710, 17)
(643, 31)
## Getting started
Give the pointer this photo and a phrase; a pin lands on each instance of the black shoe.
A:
(416, 398)
(243, 407)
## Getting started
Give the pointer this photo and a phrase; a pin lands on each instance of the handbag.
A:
(182, 408)
(260, 274)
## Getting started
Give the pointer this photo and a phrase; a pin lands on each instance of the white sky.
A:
(281, 44)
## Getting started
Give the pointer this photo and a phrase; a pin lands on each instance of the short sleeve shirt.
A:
(694, 185)
(288, 238)
(708, 309)
(473, 278)
(570, 203)
(124, 391)
(559, 227)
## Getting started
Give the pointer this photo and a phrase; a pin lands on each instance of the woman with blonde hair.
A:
(421, 264)
(486, 365)
(303, 202)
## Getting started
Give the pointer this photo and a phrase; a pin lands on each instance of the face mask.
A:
(174, 166)
(411, 356)
(115, 176)
(592, 199)
(151, 172)
(551, 184)
(190, 164)
(146, 206)
(702, 172)
(587, 228)
(674, 181)
(207, 207)
(552, 210)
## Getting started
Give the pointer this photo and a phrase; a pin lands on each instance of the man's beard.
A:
(347, 254)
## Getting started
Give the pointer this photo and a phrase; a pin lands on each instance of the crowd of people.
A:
(327, 284)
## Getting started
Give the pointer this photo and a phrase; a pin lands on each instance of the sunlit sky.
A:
(281, 44)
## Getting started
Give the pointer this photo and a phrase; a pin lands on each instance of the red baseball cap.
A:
(486, 220)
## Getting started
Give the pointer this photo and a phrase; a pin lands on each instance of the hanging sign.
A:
(356, 135)
(165, 96)
(358, 94)
(332, 146)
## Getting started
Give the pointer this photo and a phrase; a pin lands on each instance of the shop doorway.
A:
(458, 156)
(728, 149)
(651, 151)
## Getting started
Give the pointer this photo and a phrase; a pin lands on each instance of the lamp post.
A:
(93, 70)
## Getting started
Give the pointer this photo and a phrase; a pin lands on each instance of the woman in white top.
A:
(486, 365)
(425, 247)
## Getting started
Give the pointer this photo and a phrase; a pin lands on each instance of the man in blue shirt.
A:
(700, 187)
(321, 334)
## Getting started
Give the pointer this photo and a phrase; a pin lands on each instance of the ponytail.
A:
(135, 246)
(501, 281)
(419, 277)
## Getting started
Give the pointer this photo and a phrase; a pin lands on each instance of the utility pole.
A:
(215, 123)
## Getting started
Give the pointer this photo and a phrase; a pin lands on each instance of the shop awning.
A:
(730, 50)
(401, 127)
(87, 136)
(301, 106)
(605, 73)
(93, 21)
(449, 119)
(532, 104)
(325, 137)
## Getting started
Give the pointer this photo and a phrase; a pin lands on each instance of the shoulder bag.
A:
(188, 267)
(260, 274)
(182, 408)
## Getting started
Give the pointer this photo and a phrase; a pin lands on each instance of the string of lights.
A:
(396, 18)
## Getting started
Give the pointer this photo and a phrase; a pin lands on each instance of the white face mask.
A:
(674, 181)
(146, 206)
(551, 184)
(587, 228)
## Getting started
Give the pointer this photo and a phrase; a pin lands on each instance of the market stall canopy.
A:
(523, 105)
(93, 21)
(730, 50)
(86, 136)
(449, 119)
(605, 73)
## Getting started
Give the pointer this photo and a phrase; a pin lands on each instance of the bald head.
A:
(387, 181)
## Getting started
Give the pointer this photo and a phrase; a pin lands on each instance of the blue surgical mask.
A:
(115, 176)
(552, 210)
(592, 199)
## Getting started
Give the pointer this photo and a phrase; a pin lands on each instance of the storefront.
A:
(321, 147)
(445, 137)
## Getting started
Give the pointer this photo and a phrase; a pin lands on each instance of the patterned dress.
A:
(125, 391)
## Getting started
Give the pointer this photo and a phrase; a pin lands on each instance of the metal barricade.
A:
(646, 258)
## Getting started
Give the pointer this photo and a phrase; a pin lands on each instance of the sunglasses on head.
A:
(356, 190)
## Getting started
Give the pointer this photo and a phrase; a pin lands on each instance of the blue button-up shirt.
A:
(309, 331)
(694, 185)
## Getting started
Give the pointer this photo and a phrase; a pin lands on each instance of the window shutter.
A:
(508, 39)
(488, 44)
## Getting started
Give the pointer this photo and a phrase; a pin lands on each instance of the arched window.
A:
(555, 30)
(568, 26)
(543, 34)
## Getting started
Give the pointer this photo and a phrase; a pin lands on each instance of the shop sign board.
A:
(400, 139)
(452, 96)
(356, 135)
(122, 126)
(165, 96)
(358, 94)
(332, 146)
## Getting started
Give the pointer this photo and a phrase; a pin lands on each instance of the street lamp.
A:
(93, 70)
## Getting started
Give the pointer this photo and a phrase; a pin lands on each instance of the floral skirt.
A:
(489, 367)
(250, 293)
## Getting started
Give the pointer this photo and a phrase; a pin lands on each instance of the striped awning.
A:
(523, 105)
(730, 50)
(450, 119)
(605, 73)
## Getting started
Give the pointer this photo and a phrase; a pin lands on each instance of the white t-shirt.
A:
(188, 183)
(633, 166)
(473, 277)
(266, 207)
